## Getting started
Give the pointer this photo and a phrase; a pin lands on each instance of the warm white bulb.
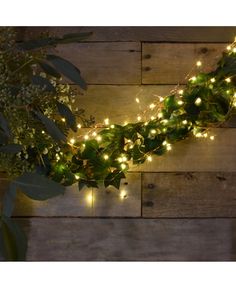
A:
(234, 50)
(123, 166)
(72, 141)
(164, 143)
(181, 92)
(105, 156)
(180, 102)
(123, 194)
(120, 159)
(228, 80)
(228, 47)
(165, 121)
(137, 100)
(94, 134)
(198, 134)
(161, 99)
(106, 121)
(77, 177)
(149, 158)
(152, 106)
(152, 117)
(212, 137)
(199, 63)
(198, 101)
(112, 126)
(213, 80)
(168, 147)
(184, 122)
(63, 119)
(153, 131)
(43, 132)
(160, 115)
(234, 95)
(205, 135)
(139, 118)
(99, 138)
(89, 198)
(194, 78)
(86, 137)
(124, 159)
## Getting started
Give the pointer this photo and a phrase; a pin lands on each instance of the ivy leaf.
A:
(48, 69)
(9, 200)
(66, 113)
(11, 148)
(67, 69)
(87, 183)
(38, 187)
(43, 83)
(37, 43)
(12, 239)
(114, 179)
(51, 127)
(4, 125)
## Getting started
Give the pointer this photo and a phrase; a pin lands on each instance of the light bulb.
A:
(137, 100)
(106, 121)
(234, 50)
(205, 135)
(79, 126)
(149, 158)
(89, 198)
(77, 177)
(63, 119)
(164, 143)
(199, 63)
(160, 115)
(181, 92)
(153, 131)
(123, 166)
(165, 121)
(213, 80)
(168, 147)
(234, 95)
(124, 158)
(212, 137)
(198, 101)
(161, 99)
(180, 102)
(228, 80)
(119, 159)
(228, 47)
(139, 118)
(184, 122)
(99, 138)
(106, 157)
(72, 141)
(112, 126)
(152, 106)
(194, 78)
(86, 137)
(43, 132)
(123, 194)
(198, 134)
(94, 134)
(152, 117)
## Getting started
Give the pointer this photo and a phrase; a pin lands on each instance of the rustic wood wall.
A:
(182, 206)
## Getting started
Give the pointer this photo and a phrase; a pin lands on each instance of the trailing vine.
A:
(37, 114)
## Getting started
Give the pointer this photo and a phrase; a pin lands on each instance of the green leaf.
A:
(11, 148)
(4, 125)
(67, 69)
(51, 127)
(66, 113)
(114, 179)
(87, 183)
(37, 43)
(9, 200)
(38, 187)
(43, 83)
(13, 240)
(48, 69)
(74, 37)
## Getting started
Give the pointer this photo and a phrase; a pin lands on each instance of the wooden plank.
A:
(105, 63)
(65, 239)
(189, 194)
(194, 154)
(125, 202)
(117, 102)
(156, 34)
(171, 63)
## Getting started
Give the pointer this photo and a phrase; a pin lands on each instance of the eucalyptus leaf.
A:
(51, 127)
(68, 115)
(37, 186)
(11, 148)
(67, 69)
(43, 83)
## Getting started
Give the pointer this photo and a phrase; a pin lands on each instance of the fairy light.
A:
(125, 123)
(112, 126)
(106, 121)
(89, 198)
(152, 106)
(234, 95)
(198, 101)
(123, 166)
(99, 138)
(160, 115)
(228, 80)
(205, 135)
(105, 156)
(168, 147)
(161, 99)
(152, 118)
(194, 78)
(86, 137)
(43, 132)
(146, 123)
(131, 146)
(212, 137)
(94, 134)
(165, 121)
(123, 194)
(72, 141)
(149, 158)
(234, 50)
(77, 177)
(119, 159)
(164, 143)
(139, 118)
(153, 131)
(63, 119)
(180, 102)
(228, 47)
(213, 80)
(198, 135)
(181, 92)
(184, 122)
(199, 63)
(137, 100)
(79, 126)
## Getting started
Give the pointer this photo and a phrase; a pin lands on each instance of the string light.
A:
(86, 137)
(160, 115)
(152, 106)
(181, 92)
(152, 118)
(125, 123)
(43, 132)
(194, 78)
(139, 118)
(123, 166)
(99, 138)
(119, 159)
(89, 198)
(149, 158)
(228, 80)
(213, 80)
(234, 95)
(199, 63)
(198, 101)
(184, 122)
(137, 100)
(63, 119)
(228, 48)
(165, 121)
(94, 134)
(72, 141)
(123, 194)
(234, 50)
(205, 135)
(161, 99)
(168, 147)
(164, 143)
(153, 131)
(212, 137)
(79, 126)
(106, 157)
(112, 126)
(198, 135)
(180, 102)
(106, 121)
(77, 177)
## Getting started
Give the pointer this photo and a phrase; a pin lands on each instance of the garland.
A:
(37, 113)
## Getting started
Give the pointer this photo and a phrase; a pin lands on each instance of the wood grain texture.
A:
(105, 63)
(156, 34)
(189, 194)
(130, 239)
(85, 203)
(194, 154)
(170, 63)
